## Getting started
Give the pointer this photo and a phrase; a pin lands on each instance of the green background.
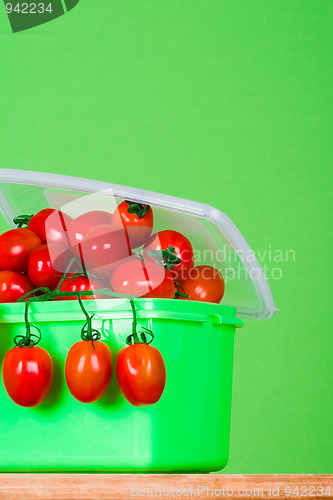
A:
(222, 101)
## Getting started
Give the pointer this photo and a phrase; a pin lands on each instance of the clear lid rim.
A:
(222, 221)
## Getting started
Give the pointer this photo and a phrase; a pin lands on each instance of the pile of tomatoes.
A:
(116, 251)
(115, 254)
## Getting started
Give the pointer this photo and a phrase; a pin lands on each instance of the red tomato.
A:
(84, 223)
(104, 245)
(13, 286)
(27, 374)
(139, 278)
(16, 246)
(106, 271)
(40, 269)
(205, 284)
(88, 370)
(141, 374)
(183, 250)
(81, 284)
(61, 257)
(51, 225)
(137, 219)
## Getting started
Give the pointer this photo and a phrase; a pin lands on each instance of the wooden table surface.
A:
(127, 486)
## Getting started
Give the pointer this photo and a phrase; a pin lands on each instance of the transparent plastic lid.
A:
(214, 239)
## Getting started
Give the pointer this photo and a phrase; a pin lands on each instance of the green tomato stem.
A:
(29, 339)
(166, 257)
(87, 332)
(22, 220)
(180, 294)
(134, 337)
(139, 209)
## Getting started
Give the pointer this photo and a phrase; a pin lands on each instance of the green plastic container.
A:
(186, 431)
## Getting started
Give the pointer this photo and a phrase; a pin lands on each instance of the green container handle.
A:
(223, 320)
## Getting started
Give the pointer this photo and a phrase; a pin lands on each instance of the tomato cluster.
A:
(27, 373)
(117, 252)
(96, 255)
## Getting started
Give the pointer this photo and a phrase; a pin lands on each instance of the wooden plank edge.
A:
(180, 486)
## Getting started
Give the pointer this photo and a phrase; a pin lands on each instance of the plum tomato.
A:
(84, 223)
(141, 374)
(81, 284)
(27, 374)
(165, 240)
(104, 245)
(13, 286)
(16, 246)
(51, 226)
(139, 278)
(88, 370)
(40, 269)
(137, 220)
(204, 284)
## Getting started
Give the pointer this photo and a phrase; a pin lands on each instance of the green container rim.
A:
(69, 310)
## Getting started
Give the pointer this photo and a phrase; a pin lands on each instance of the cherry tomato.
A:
(139, 278)
(106, 271)
(104, 245)
(27, 374)
(137, 219)
(81, 284)
(88, 370)
(141, 374)
(16, 246)
(182, 249)
(205, 284)
(40, 269)
(61, 256)
(13, 286)
(51, 226)
(84, 223)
